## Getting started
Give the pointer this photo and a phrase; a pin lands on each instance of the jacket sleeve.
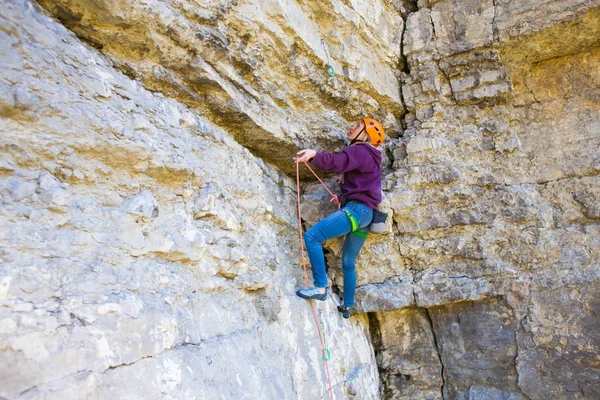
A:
(349, 159)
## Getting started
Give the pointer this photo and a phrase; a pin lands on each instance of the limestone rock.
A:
(259, 69)
(148, 228)
(113, 281)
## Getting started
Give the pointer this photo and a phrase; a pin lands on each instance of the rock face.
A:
(256, 68)
(145, 253)
(149, 241)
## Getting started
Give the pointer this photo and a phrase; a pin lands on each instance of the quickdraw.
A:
(330, 70)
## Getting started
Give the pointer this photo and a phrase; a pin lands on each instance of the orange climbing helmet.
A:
(374, 130)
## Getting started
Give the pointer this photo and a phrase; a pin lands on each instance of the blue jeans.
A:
(338, 224)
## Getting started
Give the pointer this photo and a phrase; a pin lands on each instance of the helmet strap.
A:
(356, 137)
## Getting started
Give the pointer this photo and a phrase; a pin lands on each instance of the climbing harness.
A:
(330, 70)
(355, 226)
(326, 353)
(353, 221)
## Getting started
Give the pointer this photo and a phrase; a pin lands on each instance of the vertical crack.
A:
(377, 343)
(404, 65)
(525, 397)
(449, 84)
(374, 329)
(495, 32)
(404, 71)
(531, 92)
(526, 331)
(437, 349)
(433, 26)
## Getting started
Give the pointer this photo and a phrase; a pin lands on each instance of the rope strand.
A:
(324, 350)
(334, 197)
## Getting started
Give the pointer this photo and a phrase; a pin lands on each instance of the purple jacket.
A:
(361, 166)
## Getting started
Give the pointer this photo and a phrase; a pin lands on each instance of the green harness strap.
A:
(355, 226)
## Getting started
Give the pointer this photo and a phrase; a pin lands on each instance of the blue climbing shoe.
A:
(312, 293)
(344, 310)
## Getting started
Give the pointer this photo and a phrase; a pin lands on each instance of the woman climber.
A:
(360, 164)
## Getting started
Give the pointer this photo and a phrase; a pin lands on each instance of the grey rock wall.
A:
(149, 243)
(257, 68)
(145, 253)
(485, 198)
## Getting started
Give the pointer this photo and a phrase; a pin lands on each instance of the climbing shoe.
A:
(312, 293)
(344, 310)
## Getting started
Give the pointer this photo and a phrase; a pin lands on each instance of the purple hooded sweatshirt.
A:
(361, 166)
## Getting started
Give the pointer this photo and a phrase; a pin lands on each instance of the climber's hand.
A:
(305, 155)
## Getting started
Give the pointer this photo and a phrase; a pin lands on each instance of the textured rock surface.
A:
(130, 267)
(148, 236)
(256, 67)
(498, 160)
